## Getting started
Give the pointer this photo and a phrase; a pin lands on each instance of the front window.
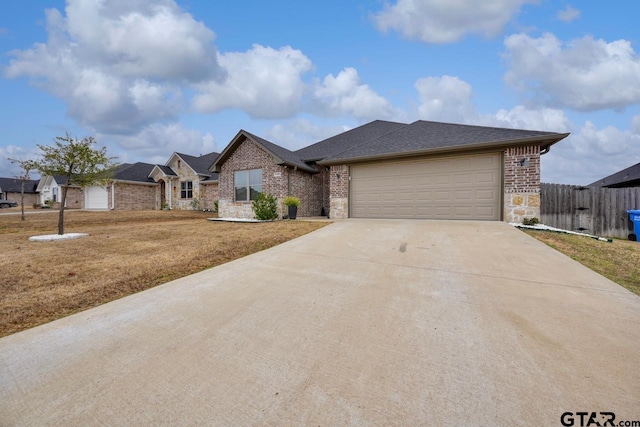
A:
(55, 194)
(248, 184)
(186, 190)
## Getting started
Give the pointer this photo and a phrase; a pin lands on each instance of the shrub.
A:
(215, 206)
(530, 221)
(265, 207)
(292, 201)
(195, 204)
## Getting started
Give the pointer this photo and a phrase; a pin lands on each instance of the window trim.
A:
(248, 186)
(186, 187)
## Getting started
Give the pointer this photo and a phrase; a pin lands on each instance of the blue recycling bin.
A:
(634, 216)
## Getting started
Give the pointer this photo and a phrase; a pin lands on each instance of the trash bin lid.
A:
(634, 211)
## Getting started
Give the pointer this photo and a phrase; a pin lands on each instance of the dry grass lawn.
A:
(618, 261)
(125, 252)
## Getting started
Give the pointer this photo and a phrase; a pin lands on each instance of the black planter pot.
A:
(293, 212)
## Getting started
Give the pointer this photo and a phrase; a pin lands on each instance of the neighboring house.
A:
(384, 169)
(11, 189)
(629, 177)
(50, 191)
(183, 183)
(186, 182)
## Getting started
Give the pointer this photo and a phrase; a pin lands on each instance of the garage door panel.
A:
(96, 197)
(465, 187)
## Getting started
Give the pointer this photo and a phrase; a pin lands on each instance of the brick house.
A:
(384, 169)
(184, 182)
(11, 189)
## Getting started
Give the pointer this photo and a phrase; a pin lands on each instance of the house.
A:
(383, 169)
(11, 189)
(184, 182)
(49, 189)
(629, 177)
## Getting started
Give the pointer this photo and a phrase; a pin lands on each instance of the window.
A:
(186, 190)
(248, 184)
(54, 190)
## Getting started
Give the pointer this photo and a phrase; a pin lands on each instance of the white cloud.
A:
(521, 117)
(119, 65)
(264, 82)
(591, 153)
(585, 74)
(10, 169)
(568, 14)
(447, 21)
(445, 98)
(344, 94)
(299, 133)
(156, 142)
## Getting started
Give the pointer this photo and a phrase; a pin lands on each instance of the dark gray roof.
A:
(166, 170)
(348, 140)
(137, 172)
(200, 164)
(14, 185)
(629, 177)
(424, 137)
(288, 157)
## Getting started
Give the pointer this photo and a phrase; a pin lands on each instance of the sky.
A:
(147, 78)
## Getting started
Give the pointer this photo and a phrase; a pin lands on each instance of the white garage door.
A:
(96, 197)
(461, 187)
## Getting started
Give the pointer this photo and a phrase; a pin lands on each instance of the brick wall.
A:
(278, 181)
(30, 199)
(521, 183)
(134, 196)
(209, 194)
(339, 192)
(75, 197)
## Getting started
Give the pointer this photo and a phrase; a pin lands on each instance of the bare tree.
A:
(26, 167)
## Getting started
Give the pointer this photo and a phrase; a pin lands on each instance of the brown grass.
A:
(618, 261)
(126, 252)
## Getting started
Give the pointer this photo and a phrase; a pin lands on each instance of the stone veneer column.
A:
(339, 192)
(521, 183)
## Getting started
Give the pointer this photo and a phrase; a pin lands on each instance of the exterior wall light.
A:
(524, 163)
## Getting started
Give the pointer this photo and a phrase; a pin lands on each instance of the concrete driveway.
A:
(364, 322)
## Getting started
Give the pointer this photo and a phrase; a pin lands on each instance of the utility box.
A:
(634, 216)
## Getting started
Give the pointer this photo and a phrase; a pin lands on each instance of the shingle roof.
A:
(424, 137)
(137, 172)
(288, 157)
(14, 185)
(629, 177)
(348, 140)
(200, 164)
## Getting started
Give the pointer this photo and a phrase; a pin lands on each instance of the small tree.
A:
(27, 166)
(265, 207)
(78, 162)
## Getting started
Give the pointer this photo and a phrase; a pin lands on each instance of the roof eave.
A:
(544, 140)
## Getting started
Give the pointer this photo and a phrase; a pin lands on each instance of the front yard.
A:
(618, 261)
(126, 252)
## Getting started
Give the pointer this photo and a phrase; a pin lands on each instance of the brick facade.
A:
(209, 195)
(30, 199)
(75, 198)
(185, 173)
(521, 183)
(277, 180)
(134, 196)
(339, 192)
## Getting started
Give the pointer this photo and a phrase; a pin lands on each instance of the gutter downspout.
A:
(113, 195)
(545, 150)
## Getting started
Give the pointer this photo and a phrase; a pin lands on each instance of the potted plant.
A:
(292, 203)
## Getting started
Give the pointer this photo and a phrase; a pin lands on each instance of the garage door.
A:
(461, 187)
(96, 197)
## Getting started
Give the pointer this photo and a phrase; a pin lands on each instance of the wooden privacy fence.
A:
(593, 210)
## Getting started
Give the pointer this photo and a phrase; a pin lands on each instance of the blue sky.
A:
(150, 77)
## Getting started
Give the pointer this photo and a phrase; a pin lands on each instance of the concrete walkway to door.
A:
(364, 322)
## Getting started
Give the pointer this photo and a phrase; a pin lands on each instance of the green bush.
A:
(195, 204)
(265, 207)
(291, 201)
(530, 221)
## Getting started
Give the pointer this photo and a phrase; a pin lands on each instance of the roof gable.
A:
(425, 137)
(629, 177)
(280, 155)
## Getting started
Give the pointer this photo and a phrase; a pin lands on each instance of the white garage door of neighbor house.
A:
(96, 197)
(460, 187)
